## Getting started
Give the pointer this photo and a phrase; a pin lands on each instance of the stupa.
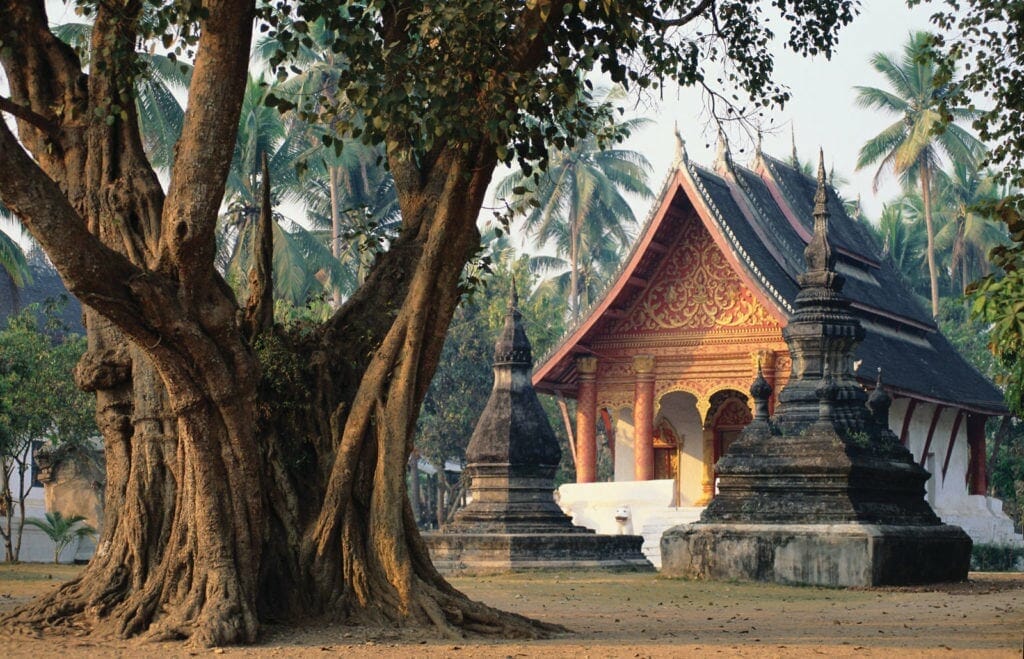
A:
(823, 492)
(512, 522)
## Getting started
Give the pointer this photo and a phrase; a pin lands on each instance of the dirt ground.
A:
(631, 615)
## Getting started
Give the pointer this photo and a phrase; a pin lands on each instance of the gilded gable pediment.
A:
(696, 289)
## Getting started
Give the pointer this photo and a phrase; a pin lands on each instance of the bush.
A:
(996, 558)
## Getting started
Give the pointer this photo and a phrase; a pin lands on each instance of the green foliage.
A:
(998, 299)
(38, 396)
(580, 205)
(12, 260)
(995, 558)
(62, 530)
(982, 39)
(511, 74)
(38, 402)
(1006, 472)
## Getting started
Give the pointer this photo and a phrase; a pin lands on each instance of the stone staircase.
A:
(658, 523)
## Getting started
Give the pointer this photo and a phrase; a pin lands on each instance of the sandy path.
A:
(637, 615)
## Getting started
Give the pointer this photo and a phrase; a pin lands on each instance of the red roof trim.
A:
(571, 343)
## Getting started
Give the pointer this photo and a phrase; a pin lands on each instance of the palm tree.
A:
(62, 530)
(967, 233)
(912, 147)
(12, 258)
(301, 261)
(579, 202)
(349, 196)
(904, 242)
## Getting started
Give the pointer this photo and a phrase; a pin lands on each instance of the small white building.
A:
(663, 362)
(67, 480)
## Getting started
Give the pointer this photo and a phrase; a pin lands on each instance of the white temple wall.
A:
(941, 492)
(981, 516)
(680, 409)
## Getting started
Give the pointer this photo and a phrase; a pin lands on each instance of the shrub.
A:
(996, 558)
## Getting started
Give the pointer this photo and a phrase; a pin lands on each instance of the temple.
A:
(662, 361)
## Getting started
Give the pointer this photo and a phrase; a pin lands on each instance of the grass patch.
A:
(37, 572)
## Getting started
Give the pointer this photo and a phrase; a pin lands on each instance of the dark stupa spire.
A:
(823, 335)
(512, 521)
(513, 453)
(823, 423)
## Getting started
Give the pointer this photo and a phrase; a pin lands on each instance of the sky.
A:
(822, 111)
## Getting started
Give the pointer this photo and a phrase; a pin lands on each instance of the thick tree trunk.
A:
(252, 474)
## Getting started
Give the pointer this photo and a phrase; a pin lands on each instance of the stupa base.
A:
(455, 553)
(817, 554)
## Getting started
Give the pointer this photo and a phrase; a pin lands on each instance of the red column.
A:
(977, 472)
(643, 418)
(586, 420)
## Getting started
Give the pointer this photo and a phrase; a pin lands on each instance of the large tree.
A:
(255, 473)
(913, 145)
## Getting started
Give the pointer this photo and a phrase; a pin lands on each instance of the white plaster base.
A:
(648, 505)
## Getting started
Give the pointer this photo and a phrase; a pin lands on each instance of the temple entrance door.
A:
(730, 415)
(666, 450)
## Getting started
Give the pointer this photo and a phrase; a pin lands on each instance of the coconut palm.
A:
(301, 261)
(351, 202)
(12, 258)
(904, 241)
(349, 195)
(914, 145)
(62, 530)
(580, 200)
(967, 233)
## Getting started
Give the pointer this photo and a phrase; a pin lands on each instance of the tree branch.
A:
(95, 274)
(207, 141)
(691, 16)
(28, 115)
(259, 310)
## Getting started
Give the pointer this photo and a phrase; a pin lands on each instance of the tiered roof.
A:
(761, 219)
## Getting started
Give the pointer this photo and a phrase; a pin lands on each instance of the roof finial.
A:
(681, 157)
(723, 158)
(819, 252)
(820, 196)
(513, 302)
(792, 140)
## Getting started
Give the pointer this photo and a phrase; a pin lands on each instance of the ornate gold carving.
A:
(643, 364)
(696, 288)
(703, 405)
(586, 365)
(665, 435)
(734, 412)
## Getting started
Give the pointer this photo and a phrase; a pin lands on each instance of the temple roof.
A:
(761, 219)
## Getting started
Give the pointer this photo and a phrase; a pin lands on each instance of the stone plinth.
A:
(819, 554)
(515, 552)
